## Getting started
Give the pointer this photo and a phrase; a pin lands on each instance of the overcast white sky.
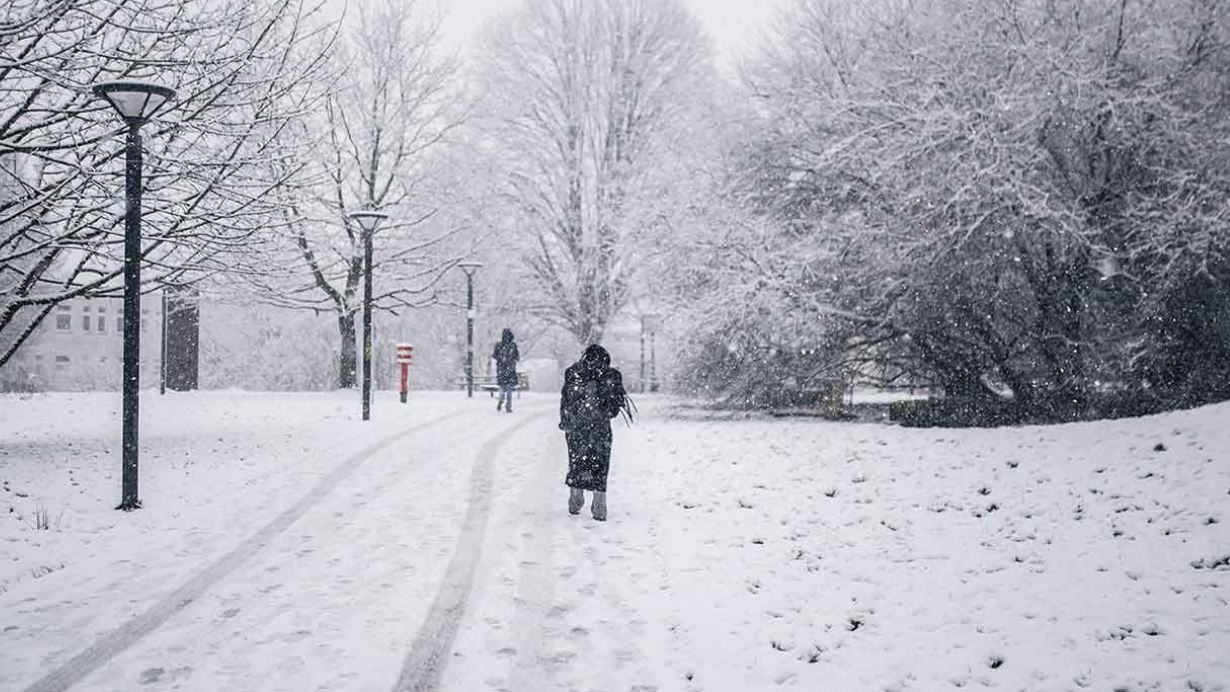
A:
(731, 23)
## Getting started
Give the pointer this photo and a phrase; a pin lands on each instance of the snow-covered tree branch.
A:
(243, 75)
(588, 100)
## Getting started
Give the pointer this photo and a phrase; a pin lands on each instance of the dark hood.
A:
(595, 358)
(507, 337)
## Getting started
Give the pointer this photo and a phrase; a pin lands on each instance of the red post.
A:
(405, 355)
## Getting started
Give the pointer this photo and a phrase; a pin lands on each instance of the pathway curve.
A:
(564, 602)
(328, 595)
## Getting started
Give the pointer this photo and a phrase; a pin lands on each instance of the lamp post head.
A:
(135, 102)
(368, 220)
(470, 267)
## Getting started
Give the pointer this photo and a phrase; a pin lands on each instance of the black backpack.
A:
(602, 399)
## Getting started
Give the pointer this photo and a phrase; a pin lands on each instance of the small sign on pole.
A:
(405, 355)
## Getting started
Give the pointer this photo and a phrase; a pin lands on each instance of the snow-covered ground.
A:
(756, 555)
(211, 464)
(285, 545)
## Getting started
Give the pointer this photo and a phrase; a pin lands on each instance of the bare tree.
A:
(589, 100)
(243, 76)
(383, 138)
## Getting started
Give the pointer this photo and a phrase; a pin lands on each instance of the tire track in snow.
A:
(115, 642)
(427, 657)
(543, 500)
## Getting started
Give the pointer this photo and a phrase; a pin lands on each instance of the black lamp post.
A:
(653, 362)
(469, 268)
(649, 323)
(162, 347)
(368, 221)
(136, 103)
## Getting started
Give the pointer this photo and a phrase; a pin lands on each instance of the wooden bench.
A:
(488, 384)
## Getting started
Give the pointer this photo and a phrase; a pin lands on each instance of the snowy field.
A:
(284, 545)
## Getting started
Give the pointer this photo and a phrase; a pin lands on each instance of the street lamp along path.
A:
(649, 325)
(470, 267)
(368, 220)
(135, 102)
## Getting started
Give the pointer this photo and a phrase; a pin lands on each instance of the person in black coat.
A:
(506, 359)
(593, 394)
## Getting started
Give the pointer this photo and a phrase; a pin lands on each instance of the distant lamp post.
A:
(470, 268)
(649, 324)
(136, 103)
(162, 347)
(368, 221)
(653, 361)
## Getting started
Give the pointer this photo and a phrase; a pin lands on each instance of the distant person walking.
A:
(506, 359)
(593, 394)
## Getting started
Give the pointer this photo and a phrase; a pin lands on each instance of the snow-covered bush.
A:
(1020, 200)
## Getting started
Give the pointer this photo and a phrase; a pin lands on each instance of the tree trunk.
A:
(1060, 326)
(348, 370)
(964, 384)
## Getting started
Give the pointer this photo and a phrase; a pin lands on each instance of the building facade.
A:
(79, 347)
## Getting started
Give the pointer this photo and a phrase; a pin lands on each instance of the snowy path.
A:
(739, 556)
(328, 595)
(116, 642)
(563, 602)
(429, 653)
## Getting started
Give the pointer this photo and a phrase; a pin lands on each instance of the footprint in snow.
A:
(559, 658)
(625, 655)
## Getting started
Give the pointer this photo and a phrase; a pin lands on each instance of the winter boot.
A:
(598, 506)
(499, 404)
(576, 500)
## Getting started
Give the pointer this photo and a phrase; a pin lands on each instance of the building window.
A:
(102, 324)
(85, 308)
(62, 362)
(85, 323)
(119, 324)
(64, 318)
